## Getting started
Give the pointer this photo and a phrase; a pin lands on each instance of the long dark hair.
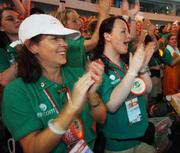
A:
(29, 68)
(106, 26)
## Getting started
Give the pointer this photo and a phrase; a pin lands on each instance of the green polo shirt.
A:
(7, 57)
(117, 125)
(76, 53)
(26, 108)
(167, 57)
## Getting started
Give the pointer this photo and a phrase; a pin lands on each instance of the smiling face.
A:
(172, 41)
(50, 51)
(174, 29)
(139, 26)
(10, 22)
(73, 21)
(119, 37)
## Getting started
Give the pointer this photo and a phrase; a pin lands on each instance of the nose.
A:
(128, 36)
(79, 24)
(63, 43)
(18, 20)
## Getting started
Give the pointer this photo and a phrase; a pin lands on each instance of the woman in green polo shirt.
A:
(123, 88)
(42, 108)
(71, 19)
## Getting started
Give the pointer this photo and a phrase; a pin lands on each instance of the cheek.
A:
(117, 44)
(75, 26)
(8, 27)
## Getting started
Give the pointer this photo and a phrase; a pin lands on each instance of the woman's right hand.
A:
(79, 93)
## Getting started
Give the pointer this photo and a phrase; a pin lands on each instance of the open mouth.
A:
(61, 53)
(126, 43)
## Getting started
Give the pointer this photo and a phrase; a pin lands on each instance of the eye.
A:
(10, 19)
(57, 38)
(74, 21)
(123, 31)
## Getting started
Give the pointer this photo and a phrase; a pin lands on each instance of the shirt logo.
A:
(43, 107)
(115, 81)
(112, 77)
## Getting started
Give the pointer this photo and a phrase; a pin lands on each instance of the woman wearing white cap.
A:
(71, 19)
(42, 109)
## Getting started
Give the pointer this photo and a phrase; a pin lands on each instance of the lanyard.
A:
(47, 93)
(75, 131)
(116, 73)
(132, 106)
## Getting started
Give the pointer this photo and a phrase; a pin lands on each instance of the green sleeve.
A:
(4, 62)
(167, 57)
(18, 114)
(76, 53)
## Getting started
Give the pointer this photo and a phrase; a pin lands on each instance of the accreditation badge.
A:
(138, 88)
(133, 110)
(74, 134)
(81, 147)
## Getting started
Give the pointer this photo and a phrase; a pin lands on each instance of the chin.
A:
(123, 51)
(64, 62)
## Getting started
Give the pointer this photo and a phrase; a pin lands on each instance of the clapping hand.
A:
(96, 69)
(136, 60)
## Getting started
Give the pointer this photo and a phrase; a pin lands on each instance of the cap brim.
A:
(67, 33)
(71, 34)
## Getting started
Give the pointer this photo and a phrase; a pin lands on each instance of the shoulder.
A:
(72, 73)
(77, 42)
(15, 85)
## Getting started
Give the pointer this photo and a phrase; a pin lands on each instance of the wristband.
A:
(145, 70)
(95, 98)
(132, 73)
(95, 105)
(54, 129)
(142, 73)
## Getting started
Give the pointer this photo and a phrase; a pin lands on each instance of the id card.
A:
(133, 110)
(81, 147)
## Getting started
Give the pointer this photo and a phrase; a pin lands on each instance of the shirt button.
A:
(42, 84)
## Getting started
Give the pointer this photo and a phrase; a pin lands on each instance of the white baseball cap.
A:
(37, 24)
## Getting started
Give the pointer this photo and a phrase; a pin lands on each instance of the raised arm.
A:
(98, 109)
(130, 13)
(149, 50)
(122, 90)
(23, 7)
(104, 8)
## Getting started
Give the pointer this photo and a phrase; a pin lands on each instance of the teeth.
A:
(61, 53)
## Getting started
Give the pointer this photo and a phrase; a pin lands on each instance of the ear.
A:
(107, 36)
(31, 46)
(1, 28)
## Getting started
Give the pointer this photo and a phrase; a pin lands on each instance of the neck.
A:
(13, 37)
(53, 74)
(112, 55)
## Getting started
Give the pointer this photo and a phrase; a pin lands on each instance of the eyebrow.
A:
(8, 16)
(123, 28)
